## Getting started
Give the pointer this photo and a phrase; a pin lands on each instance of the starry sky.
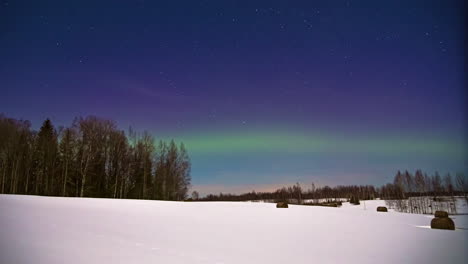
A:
(263, 93)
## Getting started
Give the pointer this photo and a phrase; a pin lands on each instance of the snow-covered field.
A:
(73, 230)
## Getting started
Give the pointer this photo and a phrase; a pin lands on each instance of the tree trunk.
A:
(83, 176)
(54, 186)
(15, 178)
(116, 180)
(38, 178)
(163, 187)
(115, 185)
(83, 182)
(27, 180)
(144, 180)
(65, 178)
(3, 176)
(77, 192)
(46, 183)
(122, 186)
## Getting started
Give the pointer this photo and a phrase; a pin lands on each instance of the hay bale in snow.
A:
(382, 209)
(442, 223)
(441, 214)
(282, 205)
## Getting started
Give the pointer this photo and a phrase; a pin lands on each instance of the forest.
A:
(90, 158)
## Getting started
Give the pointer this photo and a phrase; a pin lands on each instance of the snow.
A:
(81, 230)
(462, 205)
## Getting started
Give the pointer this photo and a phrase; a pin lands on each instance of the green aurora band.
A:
(264, 142)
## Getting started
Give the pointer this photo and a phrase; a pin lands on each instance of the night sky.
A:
(263, 93)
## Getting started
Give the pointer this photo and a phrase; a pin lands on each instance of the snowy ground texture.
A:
(73, 230)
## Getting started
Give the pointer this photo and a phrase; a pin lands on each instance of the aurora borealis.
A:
(328, 159)
(262, 93)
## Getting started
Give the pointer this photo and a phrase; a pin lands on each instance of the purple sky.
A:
(320, 74)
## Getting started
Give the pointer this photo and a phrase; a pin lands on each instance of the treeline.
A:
(91, 158)
(418, 184)
(297, 194)
(423, 194)
(405, 185)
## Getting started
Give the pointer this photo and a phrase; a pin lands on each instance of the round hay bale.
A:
(441, 214)
(382, 209)
(282, 205)
(442, 223)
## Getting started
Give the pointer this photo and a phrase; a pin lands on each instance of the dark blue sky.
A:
(231, 77)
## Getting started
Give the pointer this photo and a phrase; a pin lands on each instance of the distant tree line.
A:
(418, 184)
(91, 158)
(297, 194)
(405, 185)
